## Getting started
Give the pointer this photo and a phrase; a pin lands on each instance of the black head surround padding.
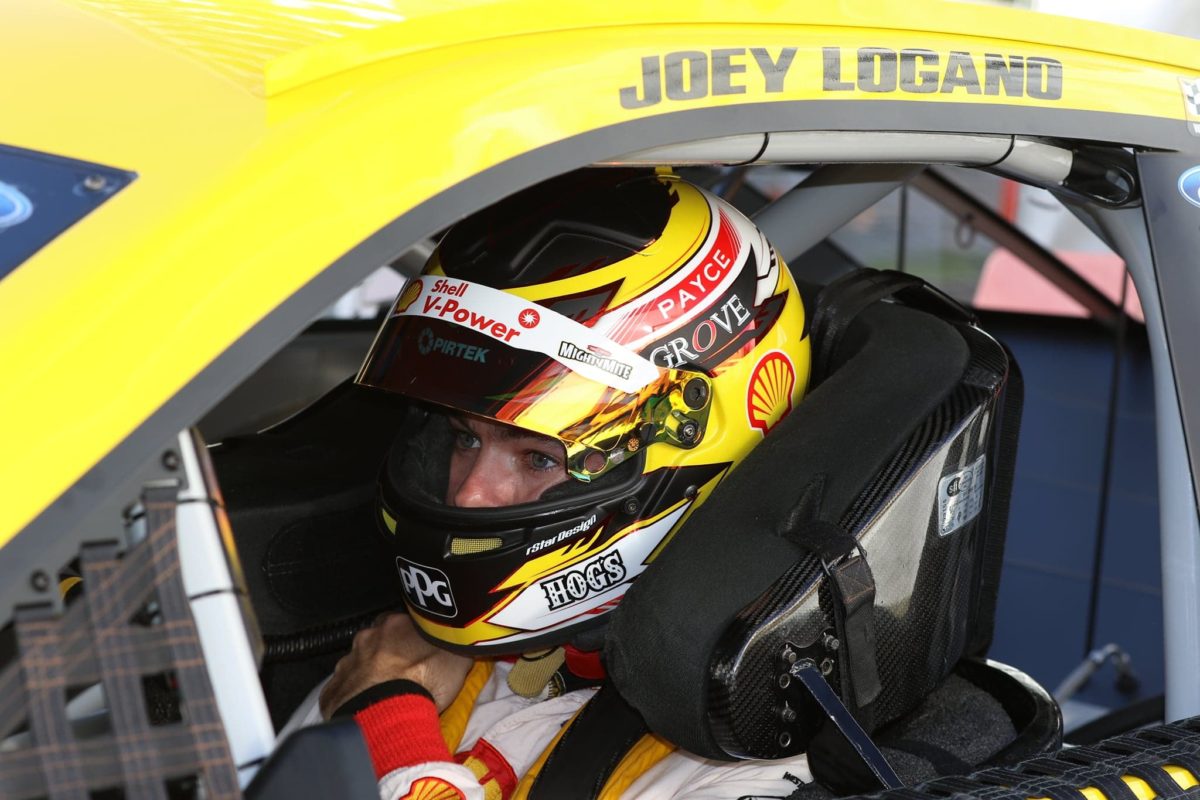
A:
(565, 226)
(301, 500)
(894, 366)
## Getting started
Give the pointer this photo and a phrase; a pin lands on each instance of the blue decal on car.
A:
(42, 195)
(1189, 185)
(15, 207)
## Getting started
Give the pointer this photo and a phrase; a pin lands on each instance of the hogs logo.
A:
(769, 397)
(592, 578)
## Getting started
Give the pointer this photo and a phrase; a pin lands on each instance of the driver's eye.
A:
(465, 440)
(542, 462)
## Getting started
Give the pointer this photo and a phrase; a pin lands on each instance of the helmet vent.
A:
(469, 547)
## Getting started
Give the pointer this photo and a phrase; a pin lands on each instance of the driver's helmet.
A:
(586, 360)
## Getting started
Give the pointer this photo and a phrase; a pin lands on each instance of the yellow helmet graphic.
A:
(624, 338)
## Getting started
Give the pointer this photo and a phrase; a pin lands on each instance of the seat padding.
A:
(894, 366)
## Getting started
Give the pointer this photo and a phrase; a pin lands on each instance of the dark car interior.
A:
(851, 622)
(300, 496)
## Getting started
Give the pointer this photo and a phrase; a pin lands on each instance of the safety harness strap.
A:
(854, 614)
(853, 603)
(591, 748)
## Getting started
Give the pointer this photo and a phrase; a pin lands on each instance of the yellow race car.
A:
(185, 187)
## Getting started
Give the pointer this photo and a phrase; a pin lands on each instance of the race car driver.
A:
(584, 363)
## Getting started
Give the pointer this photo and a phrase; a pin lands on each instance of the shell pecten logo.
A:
(408, 296)
(769, 396)
(433, 789)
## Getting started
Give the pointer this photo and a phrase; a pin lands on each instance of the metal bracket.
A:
(808, 675)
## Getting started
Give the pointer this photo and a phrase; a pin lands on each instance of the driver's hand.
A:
(391, 649)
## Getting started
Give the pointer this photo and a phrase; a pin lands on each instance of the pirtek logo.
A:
(918, 71)
(428, 343)
(593, 577)
(610, 365)
(426, 587)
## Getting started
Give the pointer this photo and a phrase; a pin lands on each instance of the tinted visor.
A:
(454, 367)
(479, 350)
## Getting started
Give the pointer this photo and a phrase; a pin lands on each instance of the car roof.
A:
(280, 150)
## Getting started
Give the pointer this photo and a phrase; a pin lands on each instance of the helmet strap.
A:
(530, 676)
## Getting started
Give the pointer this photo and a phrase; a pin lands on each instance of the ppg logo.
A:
(1189, 186)
(426, 588)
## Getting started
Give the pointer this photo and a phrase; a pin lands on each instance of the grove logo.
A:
(769, 396)
(426, 588)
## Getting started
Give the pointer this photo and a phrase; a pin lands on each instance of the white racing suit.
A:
(505, 734)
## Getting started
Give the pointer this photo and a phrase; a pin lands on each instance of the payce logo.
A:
(426, 587)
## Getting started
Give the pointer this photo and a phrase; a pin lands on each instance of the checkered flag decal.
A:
(1191, 100)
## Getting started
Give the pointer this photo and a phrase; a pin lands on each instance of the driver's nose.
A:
(489, 484)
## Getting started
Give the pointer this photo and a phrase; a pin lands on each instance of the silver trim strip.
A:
(1024, 159)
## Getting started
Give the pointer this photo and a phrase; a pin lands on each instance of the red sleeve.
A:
(399, 720)
(402, 731)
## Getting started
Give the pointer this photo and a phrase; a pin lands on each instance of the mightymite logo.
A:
(769, 397)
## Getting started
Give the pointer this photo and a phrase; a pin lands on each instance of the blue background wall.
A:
(1053, 526)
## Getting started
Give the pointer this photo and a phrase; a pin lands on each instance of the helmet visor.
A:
(475, 349)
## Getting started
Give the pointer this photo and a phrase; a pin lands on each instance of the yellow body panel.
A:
(1139, 787)
(1183, 777)
(270, 139)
